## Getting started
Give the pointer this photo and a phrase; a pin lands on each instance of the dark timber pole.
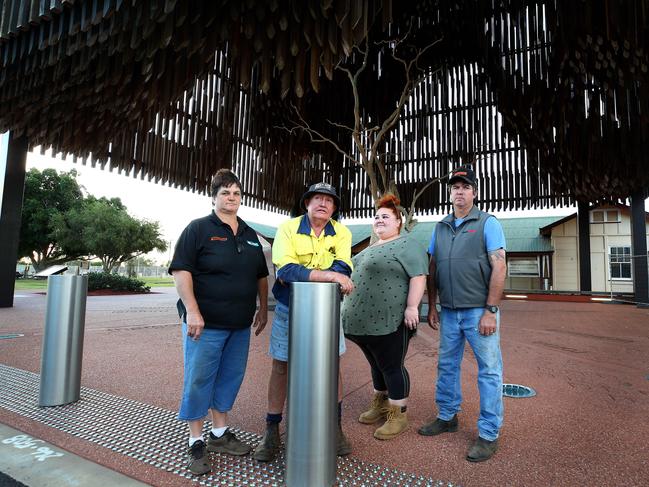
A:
(583, 229)
(13, 158)
(639, 250)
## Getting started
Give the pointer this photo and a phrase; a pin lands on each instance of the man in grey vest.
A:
(467, 269)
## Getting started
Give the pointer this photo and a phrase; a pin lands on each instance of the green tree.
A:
(47, 195)
(103, 228)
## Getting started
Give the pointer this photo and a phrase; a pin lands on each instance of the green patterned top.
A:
(381, 279)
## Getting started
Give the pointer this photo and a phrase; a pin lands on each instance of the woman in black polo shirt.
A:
(219, 269)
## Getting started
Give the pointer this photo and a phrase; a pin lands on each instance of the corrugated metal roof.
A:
(359, 232)
(521, 234)
(265, 230)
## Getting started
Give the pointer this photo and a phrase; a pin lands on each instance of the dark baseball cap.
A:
(463, 173)
(323, 188)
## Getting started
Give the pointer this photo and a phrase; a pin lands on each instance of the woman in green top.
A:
(382, 314)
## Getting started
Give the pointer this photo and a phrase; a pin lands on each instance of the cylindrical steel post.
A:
(314, 324)
(63, 340)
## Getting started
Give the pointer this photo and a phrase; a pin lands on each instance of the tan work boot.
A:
(344, 447)
(269, 445)
(397, 421)
(376, 410)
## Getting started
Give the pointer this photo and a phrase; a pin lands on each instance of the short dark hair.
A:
(224, 177)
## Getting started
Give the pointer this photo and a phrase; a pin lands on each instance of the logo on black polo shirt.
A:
(218, 239)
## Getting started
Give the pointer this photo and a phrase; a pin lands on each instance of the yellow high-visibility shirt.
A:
(296, 243)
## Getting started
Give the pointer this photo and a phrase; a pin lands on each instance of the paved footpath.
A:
(37, 463)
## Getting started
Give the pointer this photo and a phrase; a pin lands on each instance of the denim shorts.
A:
(214, 366)
(278, 348)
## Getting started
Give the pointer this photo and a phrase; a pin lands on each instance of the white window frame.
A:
(611, 263)
(604, 212)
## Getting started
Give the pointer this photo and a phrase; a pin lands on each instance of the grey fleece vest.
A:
(462, 265)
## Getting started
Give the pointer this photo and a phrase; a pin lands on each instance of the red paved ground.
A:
(588, 362)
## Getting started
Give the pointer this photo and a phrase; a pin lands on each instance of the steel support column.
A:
(13, 159)
(640, 268)
(583, 228)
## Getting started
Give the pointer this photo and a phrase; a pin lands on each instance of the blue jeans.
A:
(214, 366)
(456, 325)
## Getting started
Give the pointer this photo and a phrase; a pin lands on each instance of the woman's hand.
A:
(195, 324)
(411, 317)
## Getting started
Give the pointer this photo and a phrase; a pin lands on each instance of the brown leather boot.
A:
(396, 423)
(269, 445)
(376, 410)
(344, 446)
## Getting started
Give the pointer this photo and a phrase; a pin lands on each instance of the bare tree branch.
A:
(316, 136)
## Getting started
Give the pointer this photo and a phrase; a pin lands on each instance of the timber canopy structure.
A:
(548, 99)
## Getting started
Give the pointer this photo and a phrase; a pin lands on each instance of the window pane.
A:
(626, 271)
(615, 271)
(598, 216)
(611, 216)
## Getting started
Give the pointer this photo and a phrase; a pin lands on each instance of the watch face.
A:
(493, 309)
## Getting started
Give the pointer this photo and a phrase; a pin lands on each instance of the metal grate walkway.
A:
(154, 436)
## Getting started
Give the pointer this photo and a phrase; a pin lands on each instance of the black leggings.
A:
(386, 354)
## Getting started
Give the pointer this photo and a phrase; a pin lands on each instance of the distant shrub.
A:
(103, 280)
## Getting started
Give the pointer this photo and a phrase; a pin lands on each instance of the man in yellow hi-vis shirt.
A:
(314, 248)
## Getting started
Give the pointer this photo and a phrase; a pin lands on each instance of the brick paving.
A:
(588, 362)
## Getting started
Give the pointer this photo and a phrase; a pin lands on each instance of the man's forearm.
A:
(322, 276)
(430, 282)
(498, 274)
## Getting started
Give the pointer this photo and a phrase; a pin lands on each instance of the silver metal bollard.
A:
(63, 340)
(314, 324)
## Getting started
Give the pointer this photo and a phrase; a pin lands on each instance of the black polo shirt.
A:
(225, 269)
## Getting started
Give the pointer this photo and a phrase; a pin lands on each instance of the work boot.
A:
(376, 410)
(439, 426)
(228, 443)
(397, 421)
(344, 446)
(269, 445)
(198, 462)
(482, 450)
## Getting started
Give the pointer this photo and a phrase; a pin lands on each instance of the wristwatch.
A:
(491, 308)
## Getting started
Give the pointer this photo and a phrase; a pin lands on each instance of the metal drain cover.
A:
(517, 390)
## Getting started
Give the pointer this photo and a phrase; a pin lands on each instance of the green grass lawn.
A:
(158, 281)
(31, 284)
(41, 284)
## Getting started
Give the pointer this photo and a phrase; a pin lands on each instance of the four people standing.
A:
(219, 270)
